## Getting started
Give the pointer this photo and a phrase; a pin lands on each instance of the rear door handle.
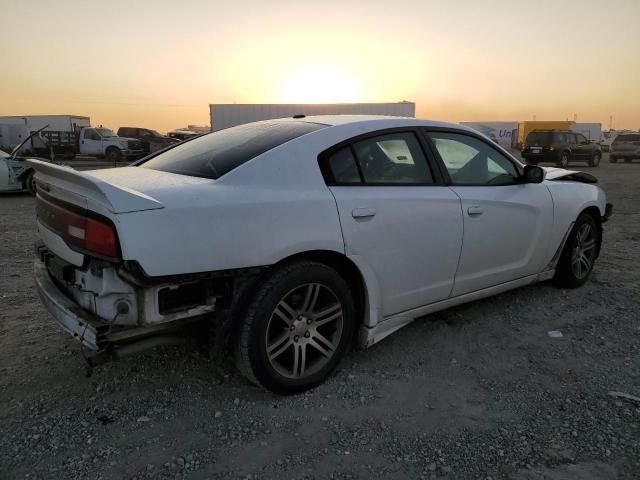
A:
(363, 212)
(475, 211)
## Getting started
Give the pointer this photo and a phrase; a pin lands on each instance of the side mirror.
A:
(533, 174)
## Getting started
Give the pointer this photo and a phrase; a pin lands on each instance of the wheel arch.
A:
(594, 211)
(349, 270)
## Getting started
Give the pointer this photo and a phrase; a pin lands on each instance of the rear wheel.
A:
(594, 161)
(563, 161)
(580, 253)
(114, 154)
(298, 326)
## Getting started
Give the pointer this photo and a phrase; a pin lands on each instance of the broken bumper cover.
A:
(73, 319)
(608, 211)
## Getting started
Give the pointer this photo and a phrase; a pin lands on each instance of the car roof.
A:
(381, 121)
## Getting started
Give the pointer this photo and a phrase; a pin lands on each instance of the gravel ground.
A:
(478, 391)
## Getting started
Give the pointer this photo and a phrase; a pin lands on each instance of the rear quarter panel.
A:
(272, 207)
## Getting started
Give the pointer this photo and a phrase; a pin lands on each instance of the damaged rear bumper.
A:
(88, 329)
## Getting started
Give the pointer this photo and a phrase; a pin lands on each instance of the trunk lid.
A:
(114, 190)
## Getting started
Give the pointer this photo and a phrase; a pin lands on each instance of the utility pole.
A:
(610, 122)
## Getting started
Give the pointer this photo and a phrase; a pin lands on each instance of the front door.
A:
(407, 229)
(91, 142)
(505, 221)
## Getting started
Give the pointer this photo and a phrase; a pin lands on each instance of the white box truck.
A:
(593, 131)
(69, 135)
(503, 133)
(225, 115)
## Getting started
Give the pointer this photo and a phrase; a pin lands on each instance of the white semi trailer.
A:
(503, 133)
(225, 115)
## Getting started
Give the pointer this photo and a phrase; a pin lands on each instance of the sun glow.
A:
(320, 85)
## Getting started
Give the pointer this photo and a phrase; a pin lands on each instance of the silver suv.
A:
(625, 146)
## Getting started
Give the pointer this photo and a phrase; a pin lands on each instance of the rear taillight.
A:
(552, 147)
(79, 231)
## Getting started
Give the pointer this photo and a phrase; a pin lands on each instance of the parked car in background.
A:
(291, 239)
(15, 173)
(560, 148)
(151, 140)
(625, 146)
(182, 134)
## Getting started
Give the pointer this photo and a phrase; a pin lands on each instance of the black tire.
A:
(612, 159)
(114, 154)
(594, 161)
(569, 272)
(563, 160)
(30, 183)
(264, 321)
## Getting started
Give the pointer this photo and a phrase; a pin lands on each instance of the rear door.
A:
(574, 148)
(506, 222)
(396, 216)
(585, 147)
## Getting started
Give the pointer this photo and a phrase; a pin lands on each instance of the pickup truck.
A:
(66, 136)
(97, 142)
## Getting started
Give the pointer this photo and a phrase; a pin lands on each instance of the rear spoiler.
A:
(111, 197)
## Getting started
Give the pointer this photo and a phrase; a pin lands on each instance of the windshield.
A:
(105, 132)
(3, 154)
(539, 138)
(154, 133)
(215, 154)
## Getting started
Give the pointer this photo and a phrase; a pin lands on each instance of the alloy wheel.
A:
(304, 330)
(584, 251)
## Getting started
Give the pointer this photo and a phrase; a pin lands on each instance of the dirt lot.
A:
(479, 391)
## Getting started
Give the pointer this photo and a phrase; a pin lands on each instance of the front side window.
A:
(582, 139)
(392, 158)
(572, 138)
(470, 161)
(214, 154)
(91, 135)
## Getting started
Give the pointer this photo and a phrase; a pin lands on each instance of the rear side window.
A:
(392, 158)
(343, 167)
(539, 138)
(627, 138)
(217, 153)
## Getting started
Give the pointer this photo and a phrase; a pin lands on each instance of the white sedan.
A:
(293, 238)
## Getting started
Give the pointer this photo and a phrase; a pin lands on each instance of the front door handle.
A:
(363, 212)
(475, 211)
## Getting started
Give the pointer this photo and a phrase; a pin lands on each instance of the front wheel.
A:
(30, 183)
(298, 326)
(579, 253)
(114, 154)
(594, 161)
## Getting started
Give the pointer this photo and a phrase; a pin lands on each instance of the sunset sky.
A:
(159, 64)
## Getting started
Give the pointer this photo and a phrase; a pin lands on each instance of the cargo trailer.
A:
(229, 115)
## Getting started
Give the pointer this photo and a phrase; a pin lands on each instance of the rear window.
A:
(539, 138)
(214, 154)
(627, 138)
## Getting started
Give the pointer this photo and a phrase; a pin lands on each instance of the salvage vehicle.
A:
(291, 239)
(560, 148)
(181, 135)
(15, 173)
(150, 140)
